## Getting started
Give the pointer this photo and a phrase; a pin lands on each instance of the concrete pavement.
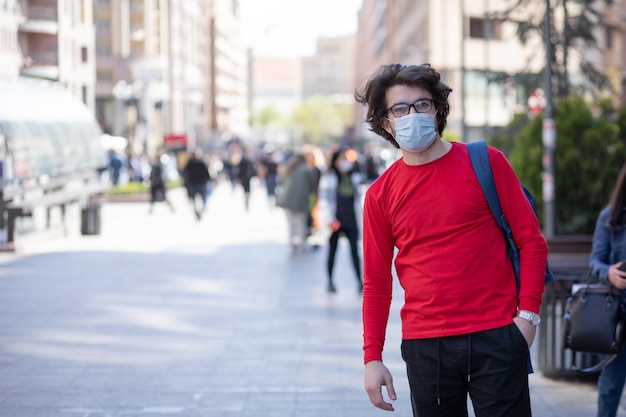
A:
(161, 315)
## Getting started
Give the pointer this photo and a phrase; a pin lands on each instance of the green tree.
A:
(267, 116)
(321, 121)
(575, 28)
(588, 156)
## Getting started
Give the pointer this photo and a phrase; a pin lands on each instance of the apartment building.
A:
(151, 70)
(330, 72)
(10, 55)
(51, 40)
(154, 68)
(491, 72)
(276, 87)
(230, 73)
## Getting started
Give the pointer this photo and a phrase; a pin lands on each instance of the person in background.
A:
(158, 191)
(466, 330)
(245, 173)
(606, 258)
(195, 177)
(269, 173)
(314, 158)
(296, 187)
(341, 205)
(115, 166)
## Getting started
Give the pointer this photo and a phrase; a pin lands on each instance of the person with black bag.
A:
(608, 255)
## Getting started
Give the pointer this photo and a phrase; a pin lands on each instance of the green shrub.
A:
(135, 187)
(588, 156)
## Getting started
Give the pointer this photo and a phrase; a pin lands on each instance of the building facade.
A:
(158, 72)
(171, 73)
(51, 40)
(330, 72)
(491, 72)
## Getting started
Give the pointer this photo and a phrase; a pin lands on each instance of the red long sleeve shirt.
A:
(451, 256)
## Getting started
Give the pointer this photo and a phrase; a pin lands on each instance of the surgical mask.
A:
(415, 132)
(345, 165)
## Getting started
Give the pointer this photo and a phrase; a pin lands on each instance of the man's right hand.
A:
(376, 376)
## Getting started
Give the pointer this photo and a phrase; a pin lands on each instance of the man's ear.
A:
(386, 124)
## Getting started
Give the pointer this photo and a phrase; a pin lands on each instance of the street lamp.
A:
(549, 139)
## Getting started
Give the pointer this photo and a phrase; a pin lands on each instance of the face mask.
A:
(415, 132)
(345, 165)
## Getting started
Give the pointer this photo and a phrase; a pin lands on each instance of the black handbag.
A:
(594, 322)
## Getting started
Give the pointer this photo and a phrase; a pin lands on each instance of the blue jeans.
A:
(611, 385)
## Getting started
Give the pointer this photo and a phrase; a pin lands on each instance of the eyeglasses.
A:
(423, 105)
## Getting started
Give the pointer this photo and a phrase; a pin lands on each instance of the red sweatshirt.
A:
(451, 256)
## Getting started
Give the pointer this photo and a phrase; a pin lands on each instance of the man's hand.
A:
(377, 375)
(527, 330)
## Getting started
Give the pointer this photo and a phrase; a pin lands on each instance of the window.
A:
(609, 32)
(481, 28)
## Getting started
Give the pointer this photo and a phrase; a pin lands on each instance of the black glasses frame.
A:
(399, 112)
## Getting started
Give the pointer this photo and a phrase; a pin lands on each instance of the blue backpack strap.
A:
(479, 156)
(480, 162)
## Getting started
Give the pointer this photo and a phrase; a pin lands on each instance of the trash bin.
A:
(90, 220)
(554, 360)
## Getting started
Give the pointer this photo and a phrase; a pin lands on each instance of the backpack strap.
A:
(479, 157)
(480, 162)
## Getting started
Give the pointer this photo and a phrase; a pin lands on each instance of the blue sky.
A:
(289, 28)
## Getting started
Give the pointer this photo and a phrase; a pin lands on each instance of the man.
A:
(196, 176)
(465, 328)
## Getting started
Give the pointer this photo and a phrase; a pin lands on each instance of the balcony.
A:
(46, 27)
(41, 65)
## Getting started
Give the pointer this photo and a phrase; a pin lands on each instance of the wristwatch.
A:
(532, 318)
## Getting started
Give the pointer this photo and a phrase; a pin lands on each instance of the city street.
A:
(163, 315)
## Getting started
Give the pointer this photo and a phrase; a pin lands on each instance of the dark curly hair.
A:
(387, 76)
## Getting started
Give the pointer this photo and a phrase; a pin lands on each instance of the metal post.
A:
(549, 138)
(464, 137)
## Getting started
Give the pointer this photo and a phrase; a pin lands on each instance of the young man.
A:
(465, 328)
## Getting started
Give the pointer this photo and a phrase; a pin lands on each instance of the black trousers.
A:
(489, 366)
(353, 237)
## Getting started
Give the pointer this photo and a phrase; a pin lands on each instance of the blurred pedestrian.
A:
(606, 261)
(245, 173)
(269, 174)
(341, 204)
(158, 189)
(296, 188)
(314, 159)
(195, 177)
(115, 166)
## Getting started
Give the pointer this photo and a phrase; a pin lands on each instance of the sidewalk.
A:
(161, 315)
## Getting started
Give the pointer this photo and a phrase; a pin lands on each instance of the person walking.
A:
(466, 330)
(314, 159)
(607, 258)
(269, 173)
(196, 176)
(341, 206)
(296, 187)
(158, 191)
(247, 170)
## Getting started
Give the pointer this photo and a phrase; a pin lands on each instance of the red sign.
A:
(537, 101)
(175, 141)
